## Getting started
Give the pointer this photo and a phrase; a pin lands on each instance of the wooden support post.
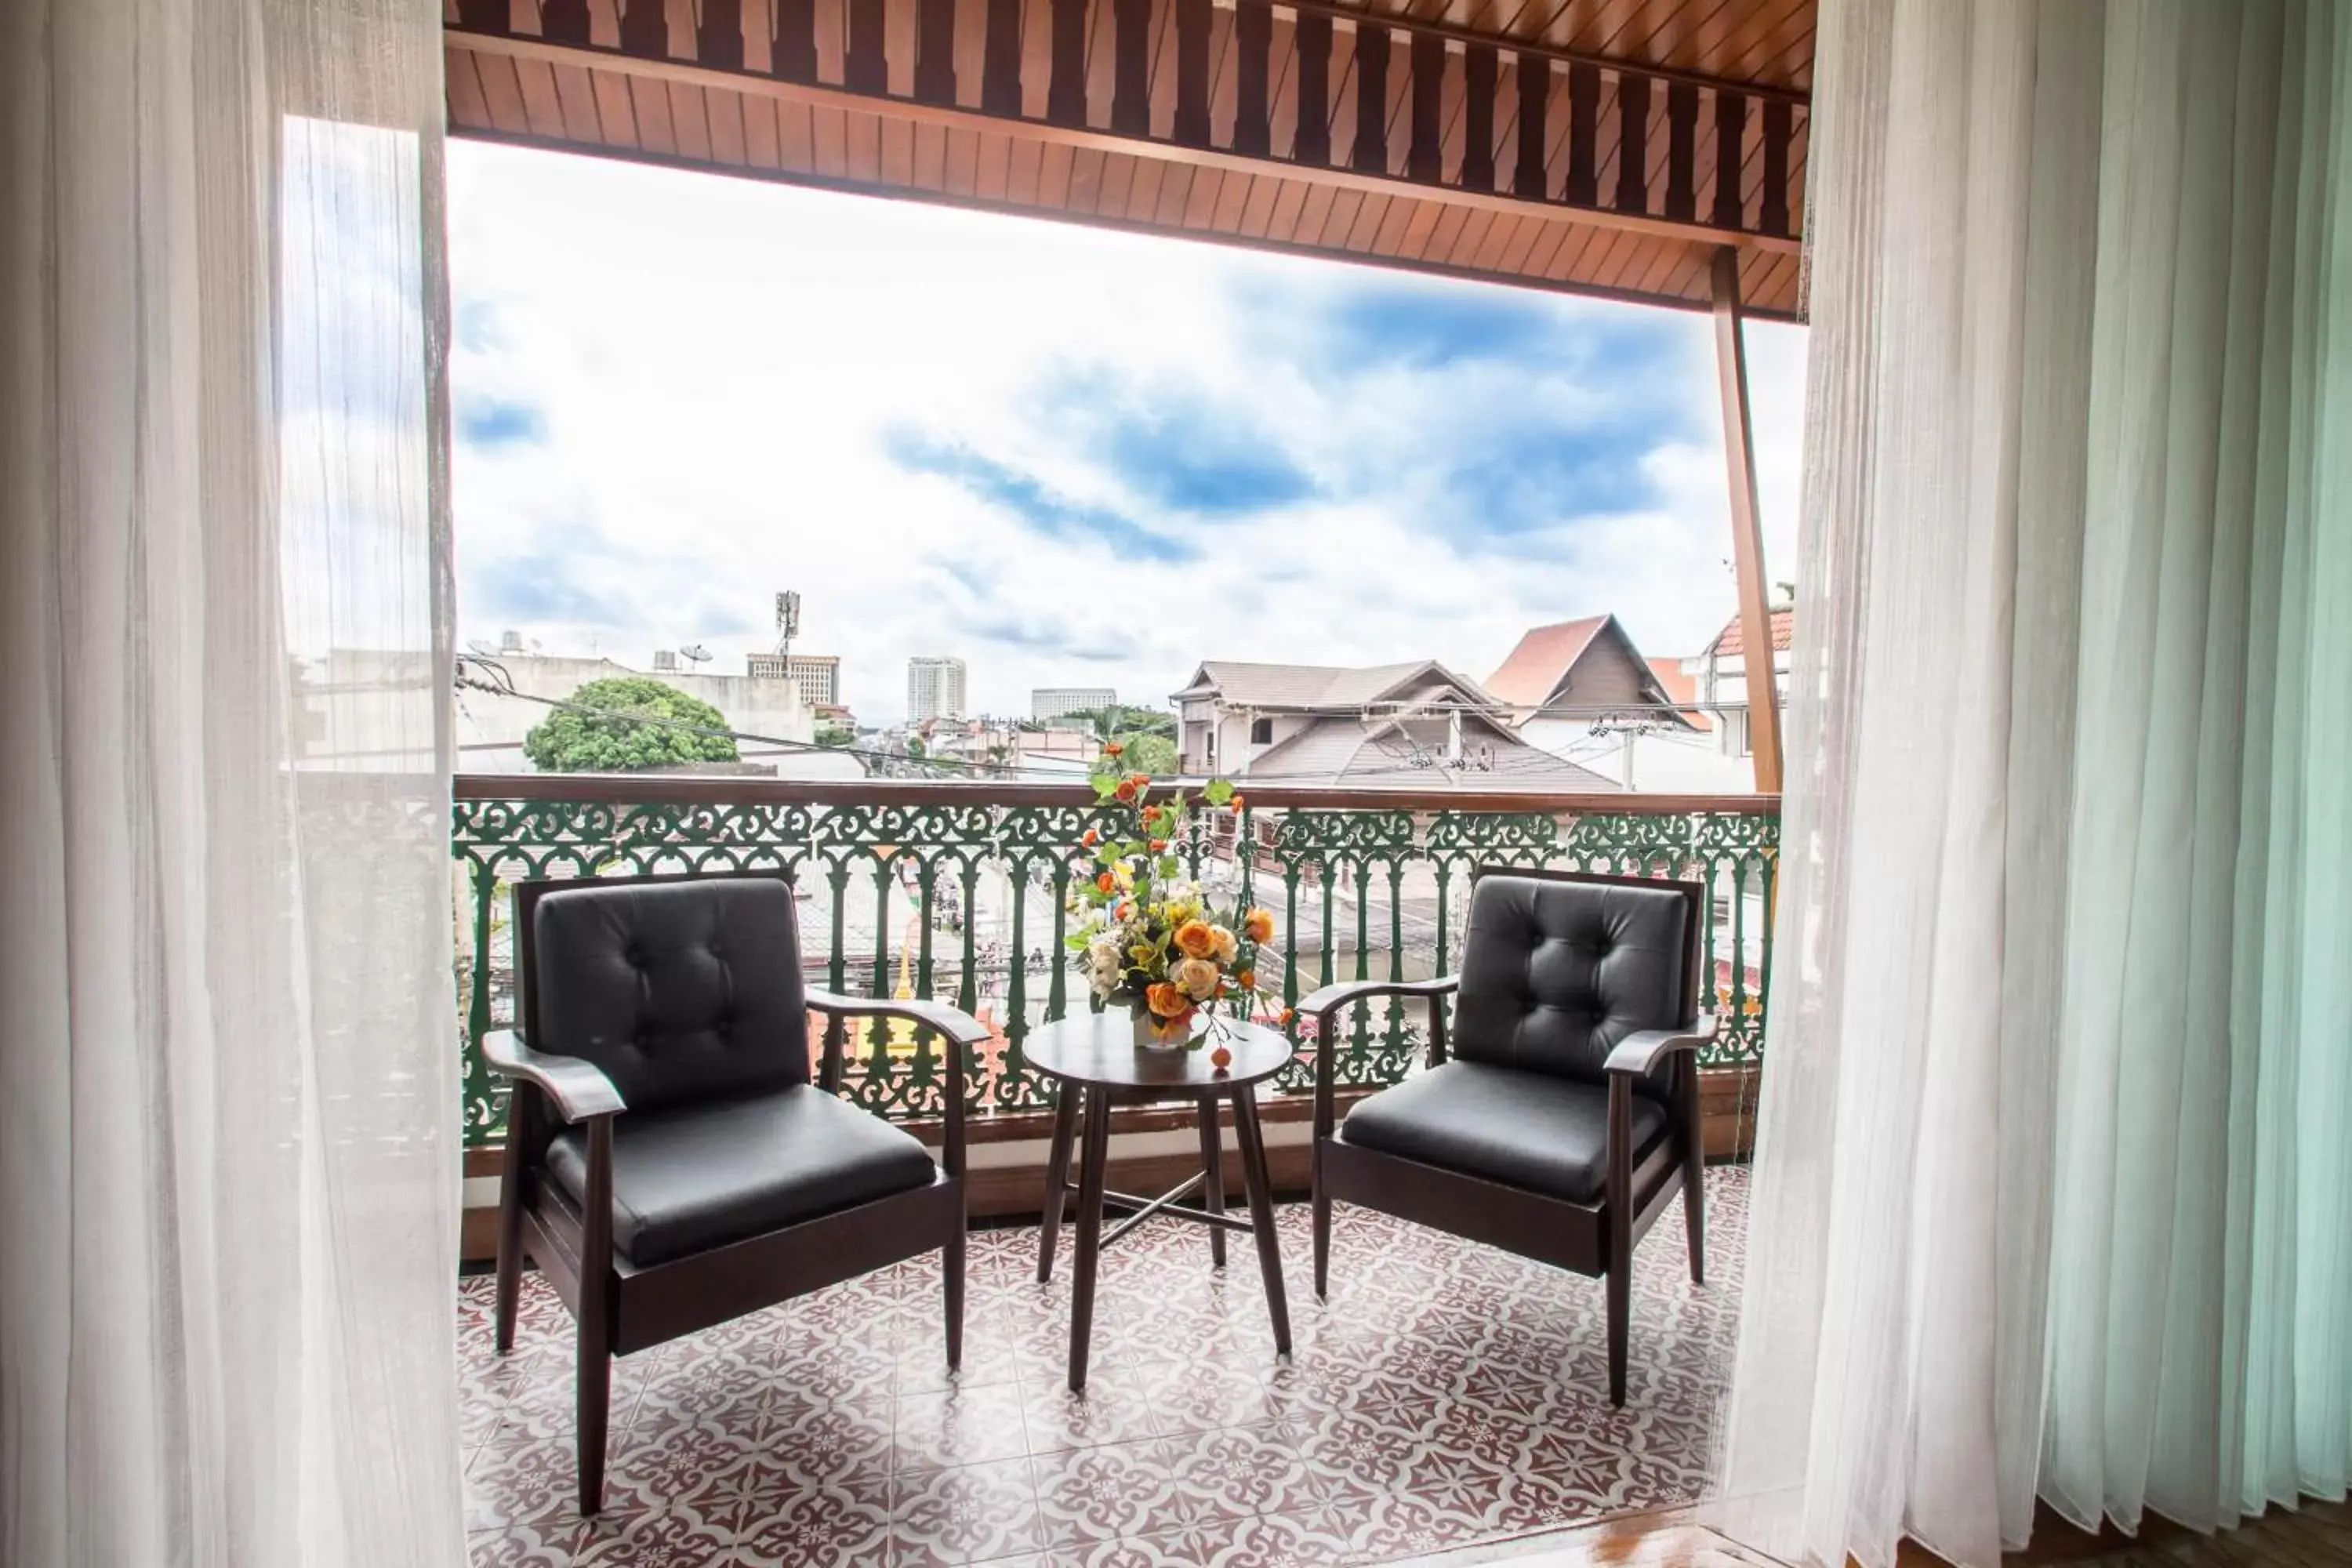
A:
(1746, 527)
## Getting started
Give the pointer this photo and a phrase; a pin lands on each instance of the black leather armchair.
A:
(1567, 1114)
(669, 1166)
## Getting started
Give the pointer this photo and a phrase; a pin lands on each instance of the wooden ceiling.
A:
(1570, 145)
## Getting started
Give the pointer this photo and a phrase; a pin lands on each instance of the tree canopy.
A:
(617, 737)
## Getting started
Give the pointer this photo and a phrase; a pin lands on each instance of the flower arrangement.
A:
(1153, 941)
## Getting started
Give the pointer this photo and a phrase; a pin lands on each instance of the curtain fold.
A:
(2053, 1194)
(229, 1155)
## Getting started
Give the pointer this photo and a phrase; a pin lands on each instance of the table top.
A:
(1098, 1049)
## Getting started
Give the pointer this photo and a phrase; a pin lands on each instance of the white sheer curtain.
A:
(228, 1135)
(2054, 1190)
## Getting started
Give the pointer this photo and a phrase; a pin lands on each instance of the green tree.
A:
(832, 735)
(624, 722)
(1118, 722)
(1147, 753)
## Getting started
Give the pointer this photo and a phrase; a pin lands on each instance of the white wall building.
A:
(935, 688)
(1719, 682)
(490, 726)
(818, 674)
(1047, 703)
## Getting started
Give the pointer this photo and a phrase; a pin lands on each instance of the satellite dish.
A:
(695, 652)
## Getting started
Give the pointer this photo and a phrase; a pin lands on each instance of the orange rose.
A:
(1126, 791)
(1195, 939)
(1246, 979)
(1235, 803)
(1089, 837)
(1126, 910)
(1112, 747)
(1288, 1015)
(1107, 882)
(1165, 1001)
(1258, 925)
(1157, 845)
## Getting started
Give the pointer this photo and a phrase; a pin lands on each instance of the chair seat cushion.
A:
(691, 1178)
(1527, 1129)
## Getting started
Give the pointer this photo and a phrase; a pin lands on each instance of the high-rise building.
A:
(935, 688)
(818, 674)
(1047, 703)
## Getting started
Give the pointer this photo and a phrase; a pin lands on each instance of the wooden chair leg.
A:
(1695, 1218)
(1322, 1207)
(1620, 1223)
(952, 1272)
(522, 1121)
(1694, 1175)
(1621, 1290)
(593, 1413)
(1057, 1178)
(1213, 1173)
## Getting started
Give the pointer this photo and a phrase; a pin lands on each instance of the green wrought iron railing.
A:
(959, 893)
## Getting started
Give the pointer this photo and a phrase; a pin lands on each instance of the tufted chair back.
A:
(1558, 968)
(683, 989)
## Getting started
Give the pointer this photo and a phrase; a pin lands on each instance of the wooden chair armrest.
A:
(1646, 1050)
(578, 1089)
(1330, 998)
(956, 1024)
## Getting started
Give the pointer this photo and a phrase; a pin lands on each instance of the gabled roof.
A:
(1543, 671)
(1683, 689)
(1384, 751)
(1542, 660)
(1729, 641)
(1312, 686)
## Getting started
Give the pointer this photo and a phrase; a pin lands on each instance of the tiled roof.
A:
(1728, 643)
(1682, 689)
(1544, 655)
(1303, 685)
(1340, 750)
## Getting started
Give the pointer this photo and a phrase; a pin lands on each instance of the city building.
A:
(1047, 703)
(818, 674)
(1719, 677)
(1395, 724)
(935, 688)
(490, 725)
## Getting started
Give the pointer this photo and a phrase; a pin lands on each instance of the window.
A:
(1261, 732)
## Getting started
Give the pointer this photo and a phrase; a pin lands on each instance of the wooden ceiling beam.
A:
(1360, 183)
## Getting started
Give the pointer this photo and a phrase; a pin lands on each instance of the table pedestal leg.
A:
(1212, 1167)
(1094, 1156)
(1057, 1176)
(1261, 1201)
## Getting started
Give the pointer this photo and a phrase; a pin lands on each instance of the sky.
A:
(1067, 456)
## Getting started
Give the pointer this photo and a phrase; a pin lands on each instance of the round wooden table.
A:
(1095, 1064)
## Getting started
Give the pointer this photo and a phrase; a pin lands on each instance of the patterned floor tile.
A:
(1444, 1395)
(967, 1514)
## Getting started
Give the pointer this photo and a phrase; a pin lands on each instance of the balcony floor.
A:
(1446, 1395)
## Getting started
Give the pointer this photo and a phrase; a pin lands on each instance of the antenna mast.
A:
(788, 624)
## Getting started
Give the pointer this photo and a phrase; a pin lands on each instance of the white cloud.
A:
(719, 365)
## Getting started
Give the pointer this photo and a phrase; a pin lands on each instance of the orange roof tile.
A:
(1544, 655)
(1730, 643)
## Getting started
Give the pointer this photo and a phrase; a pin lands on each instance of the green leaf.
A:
(1170, 866)
(1216, 792)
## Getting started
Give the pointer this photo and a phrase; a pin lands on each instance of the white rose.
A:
(1196, 977)
(1227, 945)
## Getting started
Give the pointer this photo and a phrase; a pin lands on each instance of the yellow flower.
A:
(1227, 945)
(1196, 977)
(1258, 925)
(1195, 939)
(1165, 1001)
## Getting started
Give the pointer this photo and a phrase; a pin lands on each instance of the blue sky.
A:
(1070, 457)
